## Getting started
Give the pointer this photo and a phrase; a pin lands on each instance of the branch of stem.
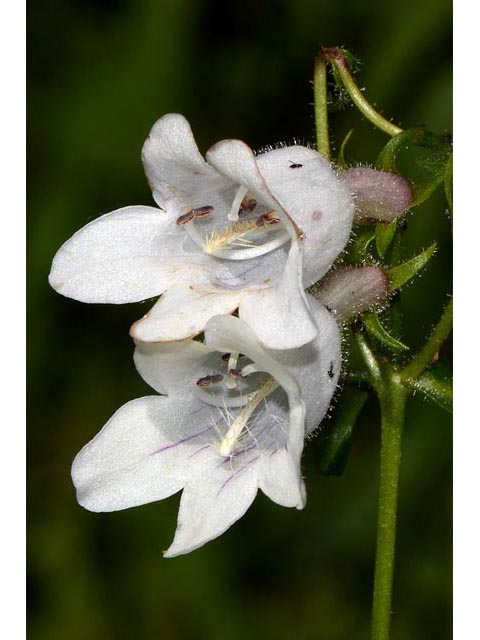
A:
(336, 57)
(320, 106)
(427, 354)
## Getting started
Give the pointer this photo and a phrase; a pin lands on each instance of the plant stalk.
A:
(429, 351)
(321, 106)
(335, 56)
(393, 397)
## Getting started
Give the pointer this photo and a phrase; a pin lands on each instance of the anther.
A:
(191, 214)
(187, 217)
(236, 373)
(246, 207)
(271, 217)
(208, 380)
(200, 212)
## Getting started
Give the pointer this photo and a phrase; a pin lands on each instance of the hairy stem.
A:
(427, 354)
(392, 398)
(320, 106)
(369, 358)
(335, 56)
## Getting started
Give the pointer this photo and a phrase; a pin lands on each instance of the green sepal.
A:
(376, 329)
(436, 383)
(341, 164)
(404, 272)
(335, 439)
(359, 250)
(429, 155)
(384, 235)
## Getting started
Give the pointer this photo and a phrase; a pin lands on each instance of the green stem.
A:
(369, 358)
(427, 354)
(320, 106)
(335, 56)
(392, 398)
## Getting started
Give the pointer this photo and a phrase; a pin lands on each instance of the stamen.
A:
(232, 363)
(271, 217)
(246, 207)
(187, 217)
(249, 369)
(239, 196)
(227, 445)
(208, 380)
(193, 233)
(191, 214)
(201, 212)
(220, 400)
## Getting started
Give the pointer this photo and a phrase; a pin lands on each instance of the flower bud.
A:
(349, 291)
(377, 194)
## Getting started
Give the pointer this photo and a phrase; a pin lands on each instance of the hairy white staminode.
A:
(227, 445)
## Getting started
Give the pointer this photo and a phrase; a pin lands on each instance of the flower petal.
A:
(316, 366)
(279, 480)
(235, 160)
(139, 455)
(128, 255)
(306, 187)
(280, 315)
(170, 367)
(183, 311)
(211, 502)
(173, 163)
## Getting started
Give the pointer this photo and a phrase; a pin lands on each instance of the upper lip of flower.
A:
(220, 455)
(138, 252)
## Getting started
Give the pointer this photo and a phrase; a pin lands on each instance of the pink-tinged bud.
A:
(352, 290)
(378, 195)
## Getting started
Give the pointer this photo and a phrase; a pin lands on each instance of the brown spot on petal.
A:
(317, 215)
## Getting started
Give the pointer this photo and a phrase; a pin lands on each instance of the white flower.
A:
(378, 195)
(229, 234)
(349, 291)
(234, 420)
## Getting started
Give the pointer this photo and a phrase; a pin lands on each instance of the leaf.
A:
(436, 383)
(341, 154)
(404, 272)
(384, 234)
(336, 438)
(375, 328)
(428, 155)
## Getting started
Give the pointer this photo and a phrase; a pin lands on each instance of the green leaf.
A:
(384, 235)
(375, 328)
(335, 440)
(436, 383)
(404, 272)
(341, 154)
(426, 154)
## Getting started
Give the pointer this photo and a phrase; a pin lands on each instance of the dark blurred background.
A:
(100, 73)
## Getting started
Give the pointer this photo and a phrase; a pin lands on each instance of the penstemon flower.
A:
(233, 420)
(238, 231)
